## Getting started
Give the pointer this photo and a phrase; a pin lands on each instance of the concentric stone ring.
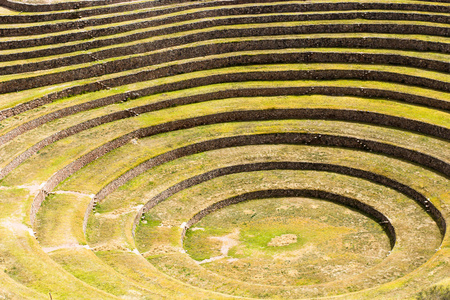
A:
(224, 149)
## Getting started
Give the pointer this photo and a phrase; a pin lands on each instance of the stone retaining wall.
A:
(249, 92)
(233, 15)
(120, 28)
(20, 6)
(391, 183)
(311, 90)
(310, 139)
(324, 42)
(241, 116)
(215, 63)
(168, 55)
(291, 138)
(55, 15)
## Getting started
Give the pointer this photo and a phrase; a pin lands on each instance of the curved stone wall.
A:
(112, 112)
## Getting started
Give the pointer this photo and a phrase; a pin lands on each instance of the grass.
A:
(134, 190)
(98, 172)
(164, 175)
(161, 8)
(84, 265)
(75, 145)
(199, 245)
(186, 11)
(117, 237)
(320, 240)
(159, 173)
(28, 265)
(11, 289)
(132, 34)
(11, 123)
(348, 255)
(394, 69)
(60, 219)
(220, 188)
(434, 293)
(428, 55)
(24, 264)
(155, 236)
(136, 267)
(28, 95)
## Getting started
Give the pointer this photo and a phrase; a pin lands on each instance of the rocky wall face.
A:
(27, 7)
(310, 139)
(372, 43)
(230, 47)
(121, 28)
(222, 62)
(278, 43)
(250, 115)
(311, 90)
(302, 7)
(61, 114)
(234, 17)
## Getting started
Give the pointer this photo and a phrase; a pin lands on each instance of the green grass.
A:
(60, 219)
(25, 265)
(434, 293)
(118, 229)
(90, 178)
(75, 146)
(158, 172)
(165, 15)
(190, 200)
(333, 236)
(167, 237)
(136, 267)
(96, 173)
(199, 245)
(311, 66)
(11, 123)
(352, 248)
(206, 29)
(24, 96)
(84, 265)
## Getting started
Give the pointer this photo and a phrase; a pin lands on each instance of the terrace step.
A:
(163, 111)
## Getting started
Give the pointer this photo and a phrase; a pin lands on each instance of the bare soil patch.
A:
(283, 240)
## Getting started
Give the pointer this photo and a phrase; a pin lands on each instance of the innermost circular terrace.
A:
(283, 193)
(282, 238)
